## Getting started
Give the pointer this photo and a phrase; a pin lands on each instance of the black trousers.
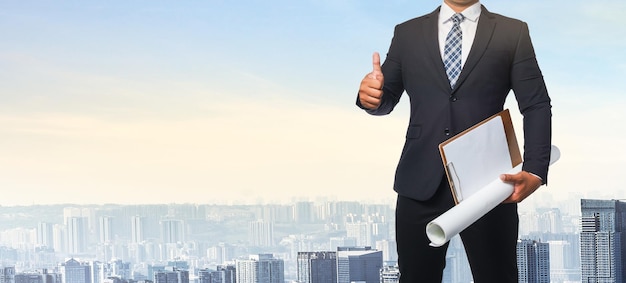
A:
(490, 243)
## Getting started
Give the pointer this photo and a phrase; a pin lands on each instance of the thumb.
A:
(508, 178)
(376, 62)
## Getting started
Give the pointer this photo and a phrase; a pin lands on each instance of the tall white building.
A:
(138, 229)
(44, 235)
(172, 231)
(221, 253)
(261, 233)
(389, 249)
(76, 235)
(105, 225)
(362, 232)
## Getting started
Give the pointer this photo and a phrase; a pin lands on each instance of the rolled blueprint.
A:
(459, 217)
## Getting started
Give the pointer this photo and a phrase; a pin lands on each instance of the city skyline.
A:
(246, 102)
(220, 234)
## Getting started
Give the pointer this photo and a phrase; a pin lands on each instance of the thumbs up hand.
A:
(370, 91)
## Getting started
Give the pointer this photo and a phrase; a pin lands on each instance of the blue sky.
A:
(245, 101)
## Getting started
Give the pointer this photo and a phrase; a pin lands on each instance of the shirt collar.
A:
(470, 13)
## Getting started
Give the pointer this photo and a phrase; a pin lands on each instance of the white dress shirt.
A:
(468, 27)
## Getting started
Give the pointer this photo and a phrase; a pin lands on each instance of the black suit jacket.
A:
(501, 59)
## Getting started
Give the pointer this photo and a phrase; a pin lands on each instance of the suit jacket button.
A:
(453, 98)
(447, 131)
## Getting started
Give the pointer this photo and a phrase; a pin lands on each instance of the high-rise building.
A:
(358, 264)
(97, 271)
(43, 277)
(261, 233)
(172, 231)
(120, 269)
(390, 274)
(602, 245)
(565, 258)
(59, 237)
(137, 233)
(317, 267)
(362, 232)
(44, 235)
(262, 268)
(204, 276)
(73, 271)
(171, 275)
(76, 235)
(336, 242)
(533, 262)
(457, 266)
(389, 249)
(223, 274)
(7, 274)
(106, 229)
(303, 212)
(228, 272)
(221, 253)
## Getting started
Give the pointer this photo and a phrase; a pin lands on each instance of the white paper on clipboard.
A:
(476, 157)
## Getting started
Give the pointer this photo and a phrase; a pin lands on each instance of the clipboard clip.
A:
(455, 182)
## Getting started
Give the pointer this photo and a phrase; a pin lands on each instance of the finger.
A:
(376, 62)
(370, 103)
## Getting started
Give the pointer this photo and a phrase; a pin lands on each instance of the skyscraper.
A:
(221, 253)
(533, 262)
(261, 233)
(76, 235)
(262, 268)
(172, 231)
(390, 274)
(303, 212)
(358, 264)
(97, 271)
(223, 274)
(73, 271)
(7, 274)
(171, 275)
(388, 247)
(602, 244)
(37, 277)
(106, 229)
(44, 235)
(59, 237)
(317, 267)
(137, 229)
(361, 231)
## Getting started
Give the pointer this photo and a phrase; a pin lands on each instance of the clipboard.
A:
(478, 155)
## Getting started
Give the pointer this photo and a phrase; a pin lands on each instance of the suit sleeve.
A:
(534, 104)
(394, 86)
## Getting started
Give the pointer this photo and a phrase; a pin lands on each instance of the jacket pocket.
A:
(414, 132)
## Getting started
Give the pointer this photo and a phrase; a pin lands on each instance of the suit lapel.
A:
(486, 25)
(431, 35)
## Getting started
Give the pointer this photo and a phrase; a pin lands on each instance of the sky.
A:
(254, 101)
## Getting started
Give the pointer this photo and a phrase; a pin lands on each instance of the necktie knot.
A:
(457, 18)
